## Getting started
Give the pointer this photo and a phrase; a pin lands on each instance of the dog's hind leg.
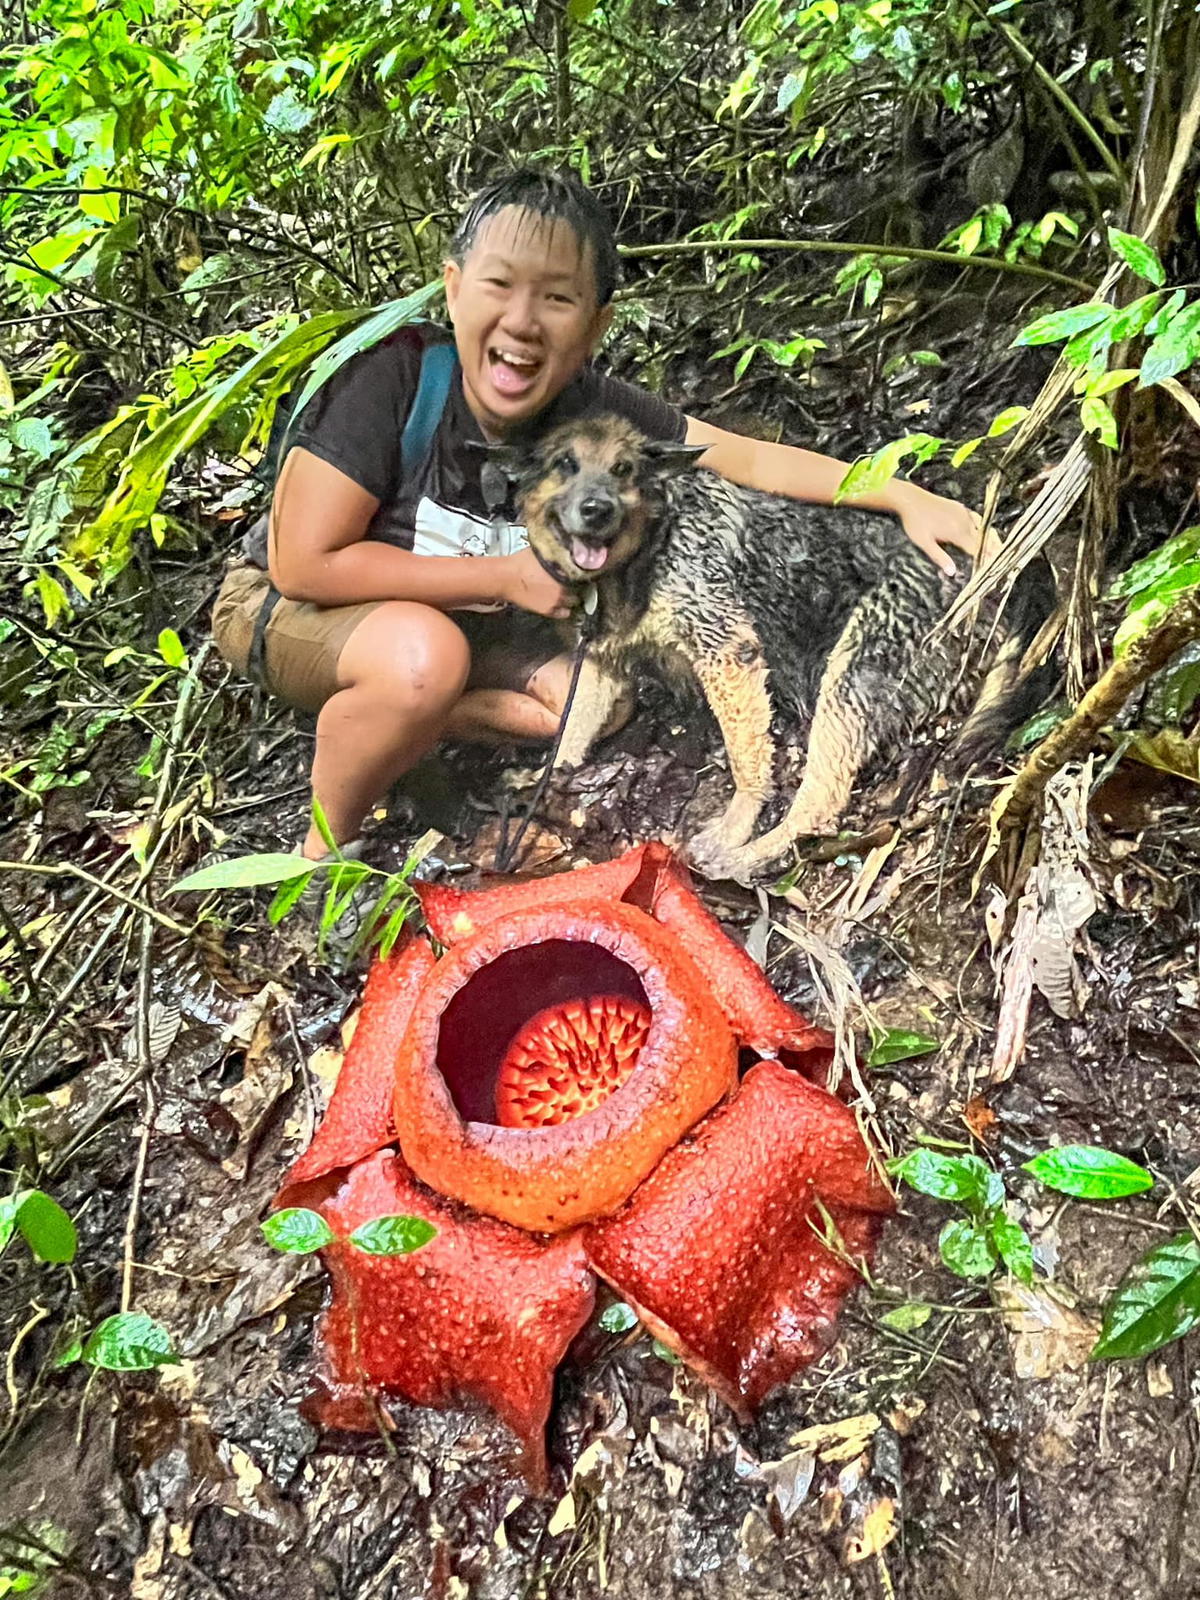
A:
(881, 678)
(734, 681)
(601, 695)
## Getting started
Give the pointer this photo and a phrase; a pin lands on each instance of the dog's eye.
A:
(565, 463)
(622, 469)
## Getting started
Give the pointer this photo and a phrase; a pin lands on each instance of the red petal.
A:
(717, 1248)
(481, 1313)
(452, 914)
(359, 1119)
(475, 1002)
(758, 1017)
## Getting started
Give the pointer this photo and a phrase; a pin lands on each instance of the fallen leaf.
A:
(876, 1530)
(982, 1122)
(1046, 1336)
(564, 1516)
(789, 1480)
(837, 1441)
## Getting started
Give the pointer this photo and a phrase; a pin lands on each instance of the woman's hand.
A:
(526, 583)
(931, 521)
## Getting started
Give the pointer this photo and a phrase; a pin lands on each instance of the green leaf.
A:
(395, 314)
(170, 648)
(966, 1179)
(1159, 1300)
(130, 1341)
(665, 1353)
(1153, 604)
(1011, 1240)
(1138, 255)
(1175, 552)
(1176, 347)
(297, 1232)
(1004, 420)
(286, 896)
(1165, 314)
(1088, 1172)
(321, 824)
(33, 436)
(1063, 324)
(1132, 319)
(46, 1227)
(619, 1318)
(907, 1318)
(967, 1249)
(1037, 727)
(900, 1044)
(870, 473)
(1097, 418)
(70, 1353)
(244, 872)
(1115, 378)
(1175, 689)
(393, 1236)
(965, 451)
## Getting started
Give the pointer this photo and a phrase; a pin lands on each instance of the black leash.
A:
(506, 849)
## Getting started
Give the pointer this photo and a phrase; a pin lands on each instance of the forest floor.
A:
(1009, 1467)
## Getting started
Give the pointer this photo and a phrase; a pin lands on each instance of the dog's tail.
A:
(1013, 688)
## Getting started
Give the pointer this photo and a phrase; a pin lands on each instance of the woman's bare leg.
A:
(401, 673)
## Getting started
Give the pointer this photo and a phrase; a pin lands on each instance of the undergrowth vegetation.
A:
(951, 237)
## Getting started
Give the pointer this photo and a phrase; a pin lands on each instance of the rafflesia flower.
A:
(592, 1082)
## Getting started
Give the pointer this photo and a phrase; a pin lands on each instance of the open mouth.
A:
(588, 557)
(512, 374)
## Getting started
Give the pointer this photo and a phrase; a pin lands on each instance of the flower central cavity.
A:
(568, 1059)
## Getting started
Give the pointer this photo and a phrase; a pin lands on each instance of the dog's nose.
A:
(596, 510)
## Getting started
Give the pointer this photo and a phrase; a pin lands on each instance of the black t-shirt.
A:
(356, 420)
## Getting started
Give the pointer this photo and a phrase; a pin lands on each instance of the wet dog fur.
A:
(770, 604)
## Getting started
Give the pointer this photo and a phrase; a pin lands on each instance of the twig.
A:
(680, 247)
(144, 1063)
(114, 306)
(1074, 737)
(234, 223)
(47, 869)
(21, 949)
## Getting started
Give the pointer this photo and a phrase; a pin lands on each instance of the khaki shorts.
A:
(303, 641)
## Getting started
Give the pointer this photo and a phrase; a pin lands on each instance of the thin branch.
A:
(1052, 87)
(114, 306)
(1073, 738)
(46, 869)
(839, 247)
(271, 235)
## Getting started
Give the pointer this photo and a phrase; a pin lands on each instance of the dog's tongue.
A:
(587, 557)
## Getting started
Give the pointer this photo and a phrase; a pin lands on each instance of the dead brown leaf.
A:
(1046, 1336)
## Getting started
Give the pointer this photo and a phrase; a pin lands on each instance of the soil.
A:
(1011, 1467)
(975, 1456)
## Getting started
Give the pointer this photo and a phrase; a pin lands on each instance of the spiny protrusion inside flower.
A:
(568, 1059)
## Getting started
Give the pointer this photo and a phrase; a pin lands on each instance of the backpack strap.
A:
(439, 362)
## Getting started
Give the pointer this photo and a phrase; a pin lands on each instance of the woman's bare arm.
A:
(318, 551)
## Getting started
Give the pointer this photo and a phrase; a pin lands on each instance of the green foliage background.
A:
(190, 189)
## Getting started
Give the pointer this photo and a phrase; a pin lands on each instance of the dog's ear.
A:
(666, 458)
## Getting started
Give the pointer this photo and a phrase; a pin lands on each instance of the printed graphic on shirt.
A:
(443, 531)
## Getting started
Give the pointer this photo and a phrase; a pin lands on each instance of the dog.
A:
(770, 605)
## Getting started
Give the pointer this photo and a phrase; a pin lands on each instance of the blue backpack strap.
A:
(438, 365)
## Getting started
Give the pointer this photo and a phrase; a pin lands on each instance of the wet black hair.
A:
(551, 196)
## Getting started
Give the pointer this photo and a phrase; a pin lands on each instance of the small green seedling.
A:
(296, 1231)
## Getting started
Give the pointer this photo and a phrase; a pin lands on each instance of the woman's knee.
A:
(408, 655)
